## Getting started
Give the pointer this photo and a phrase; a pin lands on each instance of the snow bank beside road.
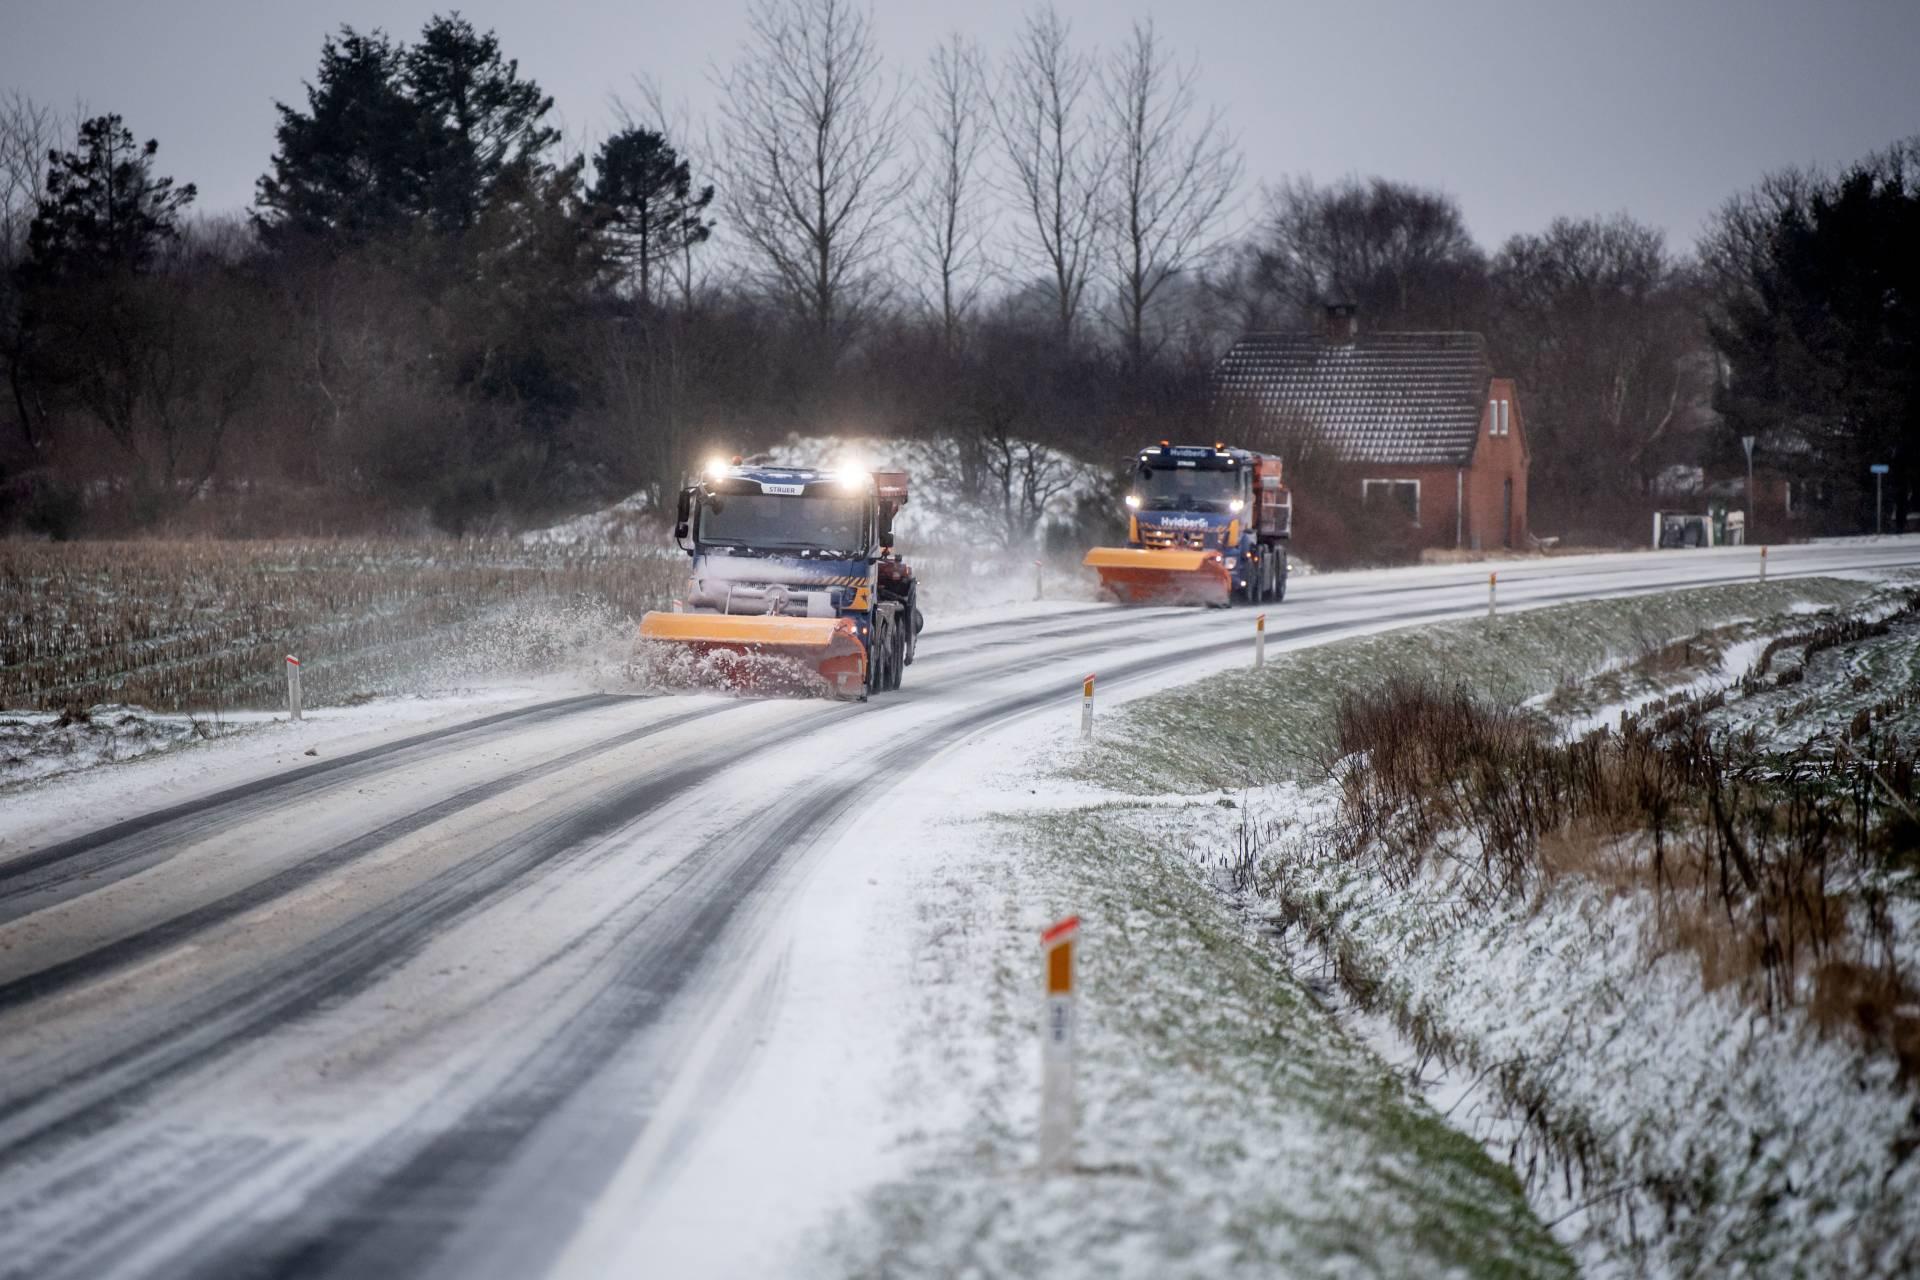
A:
(1665, 1124)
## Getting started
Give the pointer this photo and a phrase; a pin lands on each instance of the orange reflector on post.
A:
(1057, 942)
(1056, 1048)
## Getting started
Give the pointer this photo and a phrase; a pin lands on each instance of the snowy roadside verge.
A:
(1227, 1124)
(1665, 1127)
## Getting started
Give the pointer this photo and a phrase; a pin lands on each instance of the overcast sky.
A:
(1520, 110)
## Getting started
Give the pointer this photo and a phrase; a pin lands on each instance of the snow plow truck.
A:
(795, 585)
(1205, 525)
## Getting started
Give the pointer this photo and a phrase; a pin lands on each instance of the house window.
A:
(1401, 495)
(1505, 422)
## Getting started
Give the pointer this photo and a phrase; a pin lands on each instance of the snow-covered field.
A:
(583, 982)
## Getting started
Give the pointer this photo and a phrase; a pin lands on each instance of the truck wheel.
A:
(899, 667)
(1280, 575)
(877, 655)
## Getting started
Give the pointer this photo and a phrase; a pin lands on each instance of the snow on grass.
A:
(1227, 1125)
(631, 522)
(1665, 1127)
(1804, 698)
(1271, 725)
(34, 746)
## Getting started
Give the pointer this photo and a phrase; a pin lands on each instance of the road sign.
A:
(1879, 468)
(1057, 945)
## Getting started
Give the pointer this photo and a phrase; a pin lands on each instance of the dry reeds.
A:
(1759, 865)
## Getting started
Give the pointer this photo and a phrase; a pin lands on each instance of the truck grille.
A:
(1174, 539)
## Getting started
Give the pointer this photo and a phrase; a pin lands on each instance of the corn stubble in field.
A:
(1772, 866)
(187, 626)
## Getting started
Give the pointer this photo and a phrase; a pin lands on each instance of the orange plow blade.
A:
(1137, 575)
(752, 652)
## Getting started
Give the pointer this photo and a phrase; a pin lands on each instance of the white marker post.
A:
(1036, 580)
(1763, 564)
(1260, 642)
(1056, 1048)
(1493, 584)
(1086, 708)
(293, 687)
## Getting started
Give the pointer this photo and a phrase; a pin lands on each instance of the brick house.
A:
(1420, 420)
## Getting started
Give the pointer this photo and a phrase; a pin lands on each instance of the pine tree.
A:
(644, 202)
(1822, 341)
(348, 168)
(479, 120)
(104, 210)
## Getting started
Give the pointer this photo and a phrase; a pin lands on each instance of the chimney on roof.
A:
(1342, 322)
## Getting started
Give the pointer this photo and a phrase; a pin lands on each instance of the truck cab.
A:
(1232, 502)
(796, 563)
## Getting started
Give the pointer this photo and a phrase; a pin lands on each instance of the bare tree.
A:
(810, 135)
(1401, 253)
(1601, 326)
(28, 132)
(950, 224)
(1055, 154)
(1174, 175)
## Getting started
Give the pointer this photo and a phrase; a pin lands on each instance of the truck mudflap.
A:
(757, 653)
(1138, 575)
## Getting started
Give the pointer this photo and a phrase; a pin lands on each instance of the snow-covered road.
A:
(597, 983)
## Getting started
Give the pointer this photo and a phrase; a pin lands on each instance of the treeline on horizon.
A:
(435, 316)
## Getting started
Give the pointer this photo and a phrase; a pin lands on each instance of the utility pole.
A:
(1746, 442)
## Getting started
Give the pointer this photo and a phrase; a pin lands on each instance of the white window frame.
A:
(1506, 418)
(1367, 485)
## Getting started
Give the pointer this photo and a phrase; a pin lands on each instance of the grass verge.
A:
(1229, 1126)
(1277, 724)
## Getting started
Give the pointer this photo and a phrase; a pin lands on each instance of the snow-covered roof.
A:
(1410, 398)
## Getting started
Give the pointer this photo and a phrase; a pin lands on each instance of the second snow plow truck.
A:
(795, 585)
(1204, 526)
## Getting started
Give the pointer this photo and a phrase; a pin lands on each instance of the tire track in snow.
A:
(30, 881)
(135, 947)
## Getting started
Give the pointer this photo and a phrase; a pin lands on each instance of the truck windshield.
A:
(1185, 488)
(767, 520)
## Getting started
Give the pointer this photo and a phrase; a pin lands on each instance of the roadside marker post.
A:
(1763, 564)
(1493, 583)
(293, 687)
(1086, 707)
(1260, 642)
(1057, 945)
(1036, 580)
